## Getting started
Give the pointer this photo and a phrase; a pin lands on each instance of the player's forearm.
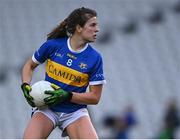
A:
(85, 98)
(27, 71)
(26, 74)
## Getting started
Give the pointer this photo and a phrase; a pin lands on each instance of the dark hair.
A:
(66, 28)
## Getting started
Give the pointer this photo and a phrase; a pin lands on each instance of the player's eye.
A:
(93, 24)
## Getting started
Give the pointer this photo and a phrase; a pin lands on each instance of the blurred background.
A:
(140, 44)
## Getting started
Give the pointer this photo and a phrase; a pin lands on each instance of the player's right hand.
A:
(26, 88)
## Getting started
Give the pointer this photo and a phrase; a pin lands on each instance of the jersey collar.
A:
(79, 51)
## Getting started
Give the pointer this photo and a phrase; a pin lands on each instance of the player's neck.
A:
(76, 43)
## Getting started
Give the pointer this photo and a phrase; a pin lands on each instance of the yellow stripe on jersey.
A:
(66, 75)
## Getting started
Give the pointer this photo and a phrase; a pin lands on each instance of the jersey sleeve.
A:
(42, 54)
(97, 76)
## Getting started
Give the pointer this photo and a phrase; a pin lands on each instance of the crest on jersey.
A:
(83, 66)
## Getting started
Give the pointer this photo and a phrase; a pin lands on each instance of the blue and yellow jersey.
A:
(71, 70)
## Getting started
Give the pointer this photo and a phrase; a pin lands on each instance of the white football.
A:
(38, 94)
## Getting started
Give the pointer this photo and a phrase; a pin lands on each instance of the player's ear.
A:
(78, 28)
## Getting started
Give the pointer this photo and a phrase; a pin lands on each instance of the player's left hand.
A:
(57, 96)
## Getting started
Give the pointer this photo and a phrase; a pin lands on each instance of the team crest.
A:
(83, 66)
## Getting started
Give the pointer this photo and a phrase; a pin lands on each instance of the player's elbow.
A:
(95, 100)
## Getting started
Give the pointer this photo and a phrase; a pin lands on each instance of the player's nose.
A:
(97, 29)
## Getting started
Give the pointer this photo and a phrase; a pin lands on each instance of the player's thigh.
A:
(39, 127)
(81, 129)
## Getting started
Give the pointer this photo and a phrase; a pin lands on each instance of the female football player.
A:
(72, 65)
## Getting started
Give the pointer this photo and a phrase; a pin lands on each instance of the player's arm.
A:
(27, 71)
(91, 97)
(59, 95)
(26, 78)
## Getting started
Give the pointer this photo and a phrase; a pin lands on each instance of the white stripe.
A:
(34, 60)
(97, 82)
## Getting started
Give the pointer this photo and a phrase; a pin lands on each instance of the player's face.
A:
(90, 30)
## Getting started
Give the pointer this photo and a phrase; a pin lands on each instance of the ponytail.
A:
(59, 31)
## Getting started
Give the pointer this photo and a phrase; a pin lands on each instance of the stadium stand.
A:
(141, 58)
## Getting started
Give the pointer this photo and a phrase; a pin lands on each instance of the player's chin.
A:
(92, 39)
